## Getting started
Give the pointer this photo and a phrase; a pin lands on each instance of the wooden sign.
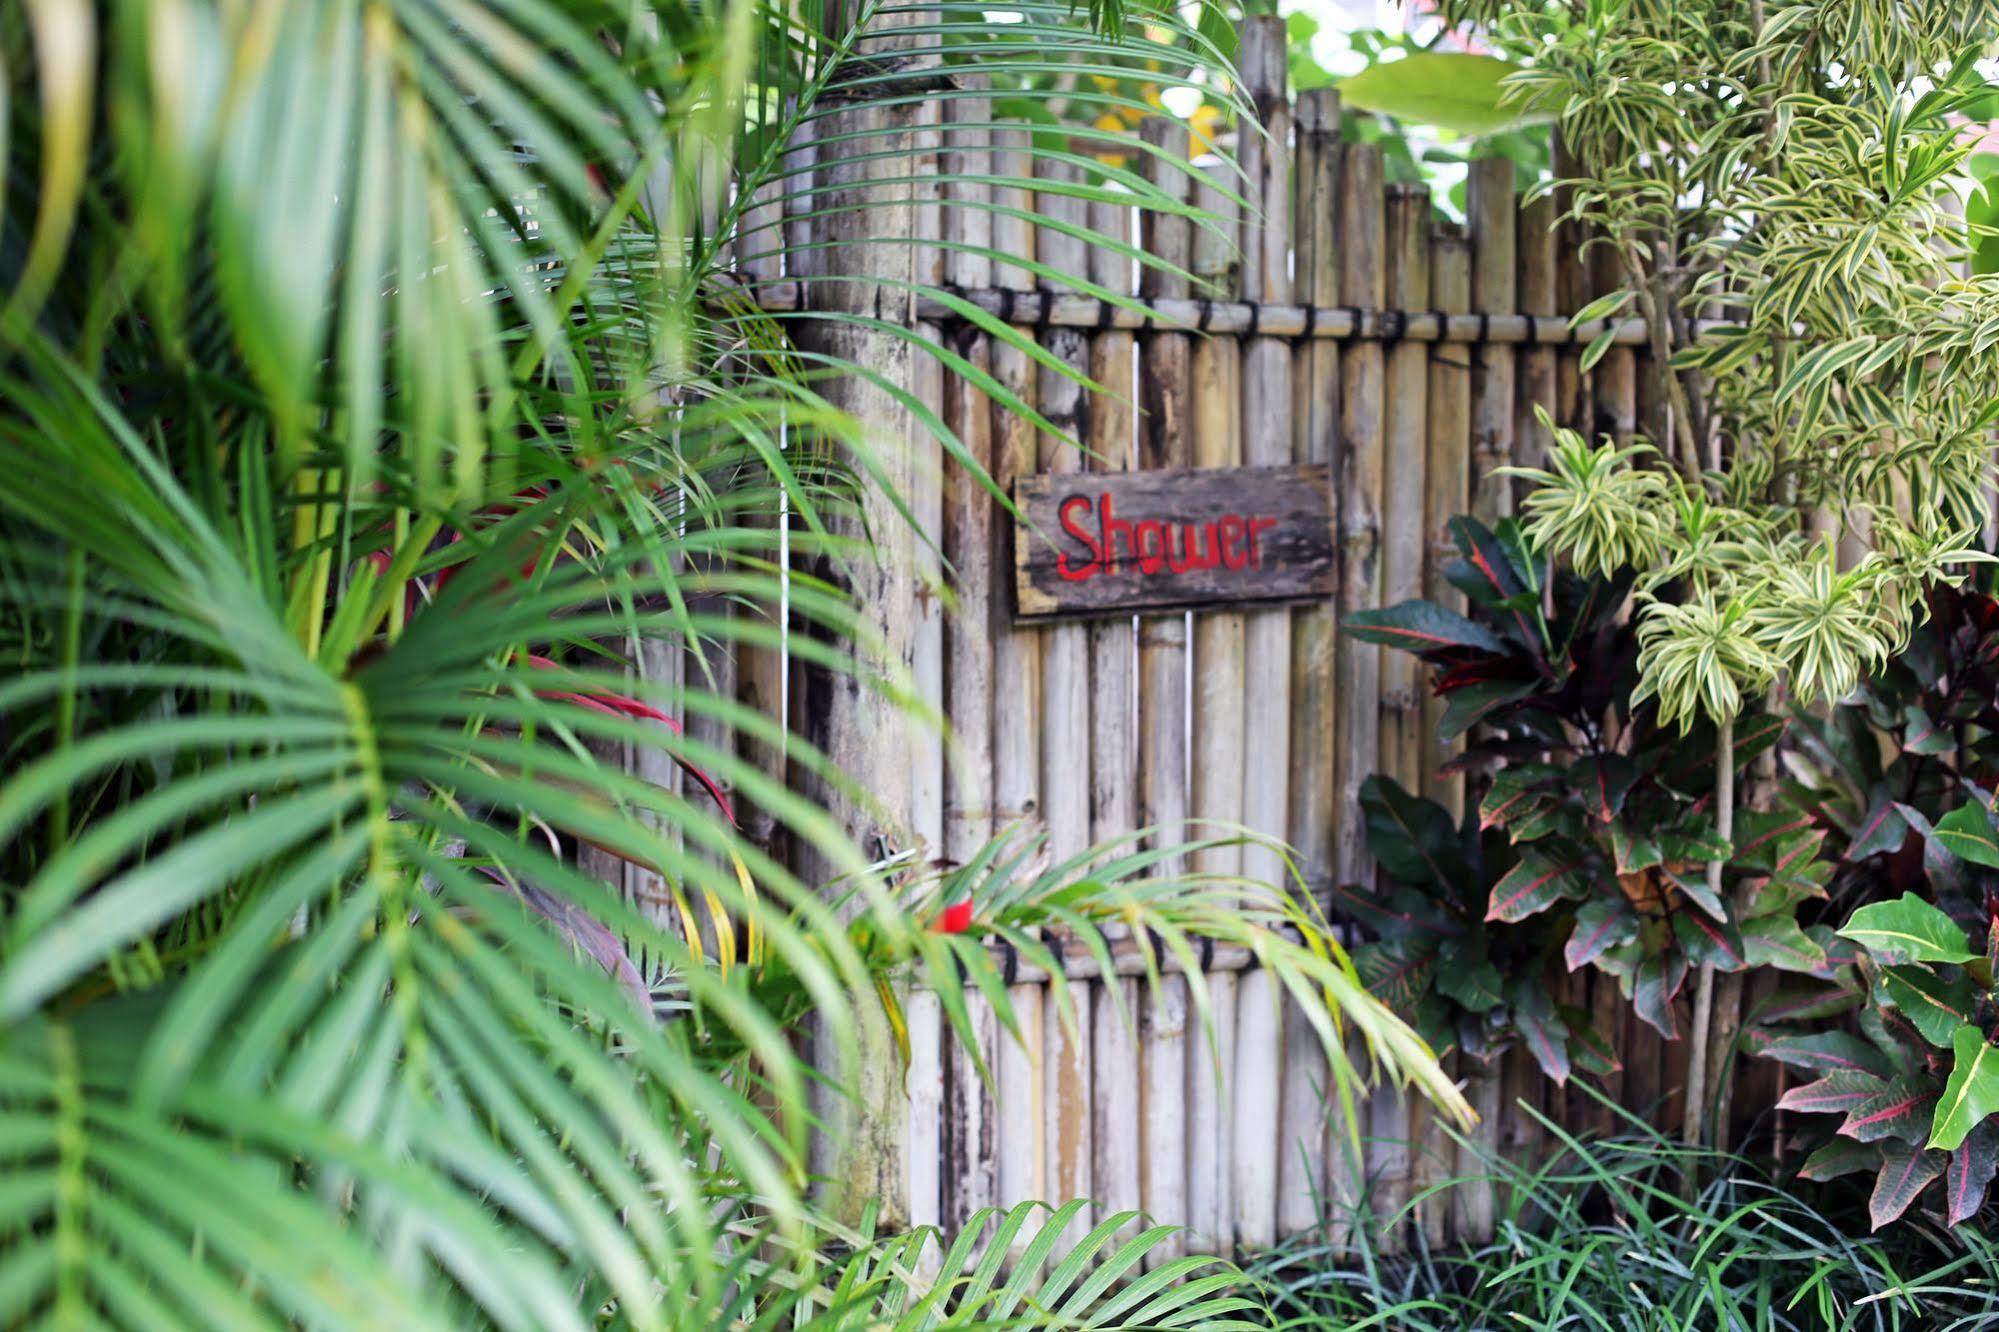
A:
(1103, 543)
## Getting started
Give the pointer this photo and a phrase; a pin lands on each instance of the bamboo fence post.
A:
(1113, 739)
(1065, 715)
(1363, 250)
(1537, 296)
(1446, 494)
(1447, 472)
(1304, 1124)
(972, 1145)
(1165, 369)
(1521, 1076)
(1493, 217)
(1215, 406)
(1016, 666)
(862, 1151)
(1493, 221)
(1403, 531)
(1266, 387)
(1571, 294)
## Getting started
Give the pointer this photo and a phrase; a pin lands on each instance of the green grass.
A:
(1640, 1233)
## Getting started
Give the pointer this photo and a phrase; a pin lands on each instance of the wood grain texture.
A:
(1203, 538)
(1493, 217)
(1447, 483)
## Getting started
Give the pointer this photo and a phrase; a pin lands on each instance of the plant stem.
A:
(1703, 1026)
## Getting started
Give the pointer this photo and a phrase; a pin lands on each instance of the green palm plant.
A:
(369, 369)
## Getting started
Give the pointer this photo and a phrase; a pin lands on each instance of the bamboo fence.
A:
(1338, 321)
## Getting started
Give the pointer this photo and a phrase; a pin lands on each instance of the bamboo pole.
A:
(1447, 489)
(1537, 297)
(1111, 439)
(1304, 1126)
(862, 1151)
(1065, 716)
(1016, 668)
(1522, 1080)
(1446, 494)
(972, 1146)
(1493, 222)
(1403, 548)
(1215, 405)
(1266, 386)
(1164, 372)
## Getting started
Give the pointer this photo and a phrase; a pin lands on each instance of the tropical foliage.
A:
(375, 379)
(1637, 1233)
(1814, 463)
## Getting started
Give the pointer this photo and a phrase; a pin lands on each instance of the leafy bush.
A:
(1607, 817)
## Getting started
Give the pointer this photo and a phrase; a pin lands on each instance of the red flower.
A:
(954, 919)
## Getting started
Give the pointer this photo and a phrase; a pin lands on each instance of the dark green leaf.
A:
(1421, 626)
(1828, 1052)
(1908, 930)
(1935, 1005)
(1841, 1156)
(1414, 838)
(1967, 831)
(1971, 1093)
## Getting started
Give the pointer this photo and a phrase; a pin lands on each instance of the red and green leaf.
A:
(1826, 1052)
(1836, 1093)
(1602, 923)
(1535, 884)
(1654, 988)
(1777, 941)
(1422, 626)
(1905, 1172)
(1709, 942)
(1901, 1110)
(1882, 830)
(1968, 1174)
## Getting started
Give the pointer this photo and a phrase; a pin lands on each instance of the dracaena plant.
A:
(1464, 981)
(1791, 165)
(1606, 806)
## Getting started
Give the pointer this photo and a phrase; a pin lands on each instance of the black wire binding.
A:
(1007, 295)
(1010, 968)
(1311, 321)
(1207, 313)
(1255, 318)
(1105, 312)
(1047, 304)
(1207, 953)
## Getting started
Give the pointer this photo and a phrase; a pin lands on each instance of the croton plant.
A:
(1599, 820)
(1899, 1045)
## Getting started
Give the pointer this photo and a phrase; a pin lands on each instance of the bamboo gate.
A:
(1343, 324)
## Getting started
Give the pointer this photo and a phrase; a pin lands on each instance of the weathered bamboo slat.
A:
(1163, 442)
(1016, 674)
(1065, 718)
(1313, 814)
(1263, 1080)
(1493, 218)
(1403, 549)
(1215, 410)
